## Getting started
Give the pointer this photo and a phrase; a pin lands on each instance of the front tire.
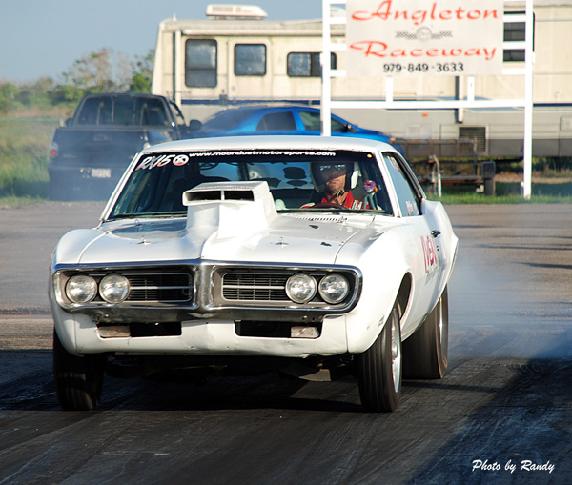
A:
(78, 380)
(425, 352)
(379, 369)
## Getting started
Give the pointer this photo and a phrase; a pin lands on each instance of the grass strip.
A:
(18, 201)
(476, 198)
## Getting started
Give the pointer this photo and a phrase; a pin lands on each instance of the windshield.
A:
(309, 180)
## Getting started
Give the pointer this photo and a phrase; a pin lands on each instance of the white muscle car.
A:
(292, 252)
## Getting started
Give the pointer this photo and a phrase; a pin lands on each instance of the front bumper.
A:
(207, 324)
(79, 334)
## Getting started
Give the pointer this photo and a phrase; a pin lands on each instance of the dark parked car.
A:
(296, 120)
(89, 154)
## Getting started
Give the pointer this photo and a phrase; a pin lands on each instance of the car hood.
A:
(302, 238)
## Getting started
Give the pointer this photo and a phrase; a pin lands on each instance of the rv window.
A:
(200, 63)
(476, 134)
(306, 64)
(249, 59)
(515, 32)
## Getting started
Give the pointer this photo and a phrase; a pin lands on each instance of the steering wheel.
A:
(322, 205)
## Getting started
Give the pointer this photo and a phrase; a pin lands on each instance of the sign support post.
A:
(325, 103)
(528, 101)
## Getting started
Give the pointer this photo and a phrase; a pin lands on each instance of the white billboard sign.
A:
(391, 37)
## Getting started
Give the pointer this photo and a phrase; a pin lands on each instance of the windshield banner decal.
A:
(149, 162)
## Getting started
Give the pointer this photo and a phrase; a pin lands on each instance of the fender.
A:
(381, 283)
(64, 325)
(447, 241)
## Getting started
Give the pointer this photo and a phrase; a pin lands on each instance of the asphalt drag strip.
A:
(502, 414)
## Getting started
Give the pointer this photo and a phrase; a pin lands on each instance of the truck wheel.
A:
(490, 187)
(78, 380)
(425, 352)
(379, 369)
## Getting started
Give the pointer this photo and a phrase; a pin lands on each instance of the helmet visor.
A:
(331, 170)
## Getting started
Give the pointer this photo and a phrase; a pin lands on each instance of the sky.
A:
(43, 37)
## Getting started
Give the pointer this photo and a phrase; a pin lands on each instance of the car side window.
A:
(311, 121)
(279, 121)
(96, 111)
(407, 195)
(150, 112)
(338, 126)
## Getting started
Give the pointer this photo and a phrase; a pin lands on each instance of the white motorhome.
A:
(238, 56)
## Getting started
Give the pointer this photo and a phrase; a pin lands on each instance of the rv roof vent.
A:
(235, 12)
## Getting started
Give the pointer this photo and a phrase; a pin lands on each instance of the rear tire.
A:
(78, 380)
(425, 352)
(379, 369)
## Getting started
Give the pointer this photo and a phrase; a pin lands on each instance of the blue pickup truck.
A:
(90, 153)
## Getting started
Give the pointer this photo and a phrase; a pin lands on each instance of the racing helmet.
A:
(321, 171)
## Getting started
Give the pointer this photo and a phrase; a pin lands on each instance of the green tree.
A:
(8, 94)
(142, 79)
(36, 94)
(98, 71)
(66, 94)
(92, 72)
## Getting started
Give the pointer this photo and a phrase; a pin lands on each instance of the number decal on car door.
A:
(430, 256)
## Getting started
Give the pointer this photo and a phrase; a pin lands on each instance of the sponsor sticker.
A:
(150, 162)
(430, 256)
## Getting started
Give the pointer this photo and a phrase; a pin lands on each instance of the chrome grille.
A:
(255, 286)
(160, 286)
(168, 286)
(160, 294)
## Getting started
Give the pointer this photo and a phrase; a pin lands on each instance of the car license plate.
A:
(101, 137)
(101, 173)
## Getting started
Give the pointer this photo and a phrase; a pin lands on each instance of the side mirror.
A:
(195, 125)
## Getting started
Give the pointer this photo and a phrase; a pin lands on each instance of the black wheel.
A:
(78, 380)
(379, 369)
(490, 186)
(425, 352)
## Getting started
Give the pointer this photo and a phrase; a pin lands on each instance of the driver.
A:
(333, 186)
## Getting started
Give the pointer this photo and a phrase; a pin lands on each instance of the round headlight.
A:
(114, 288)
(301, 288)
(81, 288)
(333, 288)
